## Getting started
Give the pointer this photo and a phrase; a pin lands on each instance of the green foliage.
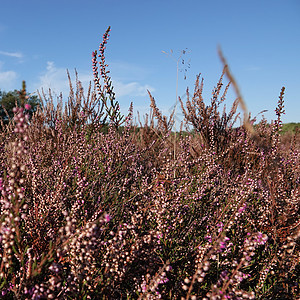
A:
(290, 127)
(11, 99)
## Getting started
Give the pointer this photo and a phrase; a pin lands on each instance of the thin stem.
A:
(175, 115)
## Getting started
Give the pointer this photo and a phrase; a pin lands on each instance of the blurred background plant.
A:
(11, 99)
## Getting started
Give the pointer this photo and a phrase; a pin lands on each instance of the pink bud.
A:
(27, 106)
(107, 217)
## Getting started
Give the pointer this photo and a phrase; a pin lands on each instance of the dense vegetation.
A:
(92, 211)
(11, 99)
(290, 127)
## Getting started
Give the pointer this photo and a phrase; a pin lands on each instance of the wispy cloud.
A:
(127, 79)
(53, 78)
(123, 71)
(7, 79)
(12, 54)
(56, 79)
(131, 89)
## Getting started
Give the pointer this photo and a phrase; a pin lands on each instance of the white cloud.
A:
(12, 54)
(56, 79)
(7, 79)
(131, 89)
(124, 77)
(121, 70)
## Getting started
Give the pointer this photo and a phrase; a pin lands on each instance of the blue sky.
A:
(39, 40)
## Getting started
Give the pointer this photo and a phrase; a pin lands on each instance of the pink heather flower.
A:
(208, 237)
(27, 106)
(162, 281)
(222, 245)
(220, 225)
(107, 218)
(241, 209)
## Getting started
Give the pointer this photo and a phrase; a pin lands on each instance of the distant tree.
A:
(11, 99)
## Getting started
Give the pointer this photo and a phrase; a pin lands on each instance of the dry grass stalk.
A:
(242, 103)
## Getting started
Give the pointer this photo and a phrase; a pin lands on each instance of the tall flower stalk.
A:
(105, 90)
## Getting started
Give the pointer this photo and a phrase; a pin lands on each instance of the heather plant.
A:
(93, 210)
(8, 100)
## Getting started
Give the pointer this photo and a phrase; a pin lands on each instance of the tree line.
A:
(11, 99)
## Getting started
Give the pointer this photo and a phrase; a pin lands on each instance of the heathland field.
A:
(95, 207)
